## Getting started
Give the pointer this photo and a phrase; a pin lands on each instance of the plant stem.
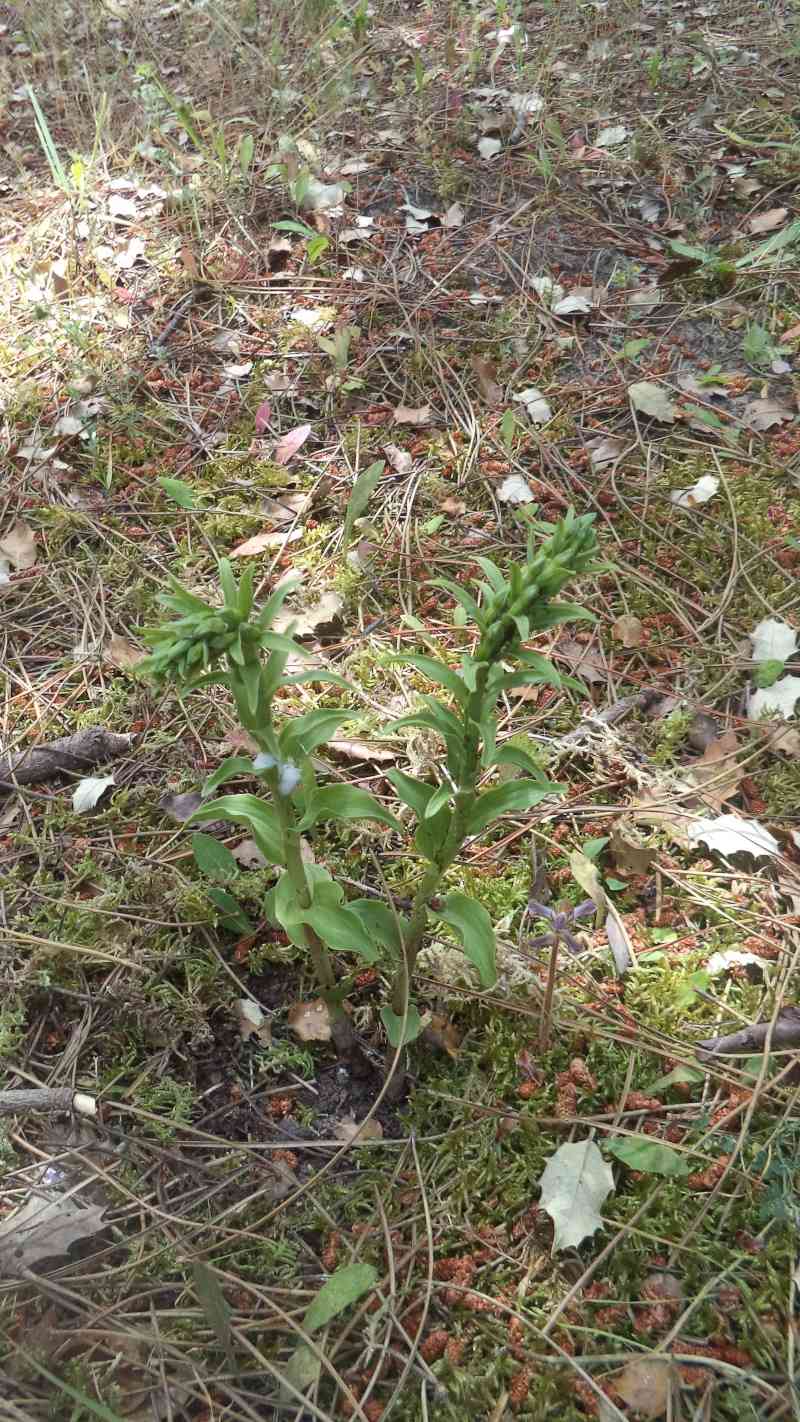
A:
(545, 1021)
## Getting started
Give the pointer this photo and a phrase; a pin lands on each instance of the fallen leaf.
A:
(653, 1157)
(320, 619)
(651, 399)
(248, 854)
(288, 445)
(121, 206)
(181, 807)
(89, 791)
(536, 407)
(348, 1128)
(68, 426)
(728, 834)
(442, 1035)
(19, 546)
(454, 507)
(575, 1182)
(252, 1022)
(645, 1384)
(582, 659)
(619, 940)
(586, 873)
(608, 137)
(768, 221)
(773, 640)
(578, 302)
(732, 958)
(454, 215)
(406, 415)
(764, 414)
(630, 855)
(263, 542)
(780, 697)
(718, 773)
(489, 148)
(310, 1021)
(605, 449)
(699, 493)
(629, 631)
(263, 416)
(514, 490)
(487, 380)
(123, 654)
(44, 1227)
(285, 509)
(322, 197)
(401, 461)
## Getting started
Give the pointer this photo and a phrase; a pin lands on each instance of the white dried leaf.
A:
(763, 414)
(420, 214)
(729, 834)
(252, 1022)
(348, 1128)
(68, 425)
(130, 255)
(549, 290)
(651, 399)
(313, 318)
(523, 104)
(699, 493)
(489, 148)
(536, 407)
(733, 958)
(768, 221)
(400, 459)
(608, 137)
(310, 1021)
(354, 166)
(645, 1384)
(576, 303)
(410, 415)
(322, 197)
(780, 697)
(19, 546)
(514, 490)
(87, 792)
(605, 449)
(773, 641)
(248, 854)
(121, 653)
(454, 216)
(575, 1183)
(121, 206)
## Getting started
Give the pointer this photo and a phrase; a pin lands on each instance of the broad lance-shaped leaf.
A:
(437, 672)
(307, 732)
(248, 810)
(343, 1288)
(394, 1026)
(515, 795)
(345, 802)
(340, 929)
(473, 925)
(575, 1183)
(213, 858)
(228, 770)
(381, 924)
(654, 1157)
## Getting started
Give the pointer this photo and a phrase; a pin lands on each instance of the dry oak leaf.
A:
(349, 1128)
(310, 1021)
(123, 654)
(629, 631)
(768, 221)
(645, 1385)
(264, 542)
(763, 414)
(406, 415)
(19, 546)
(44, 1227)
(289, 444)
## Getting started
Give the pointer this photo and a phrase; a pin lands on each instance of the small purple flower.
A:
(561, 924)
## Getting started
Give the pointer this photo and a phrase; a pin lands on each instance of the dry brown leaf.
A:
(763, 414)
(629, 631)
(768, 221)
(252, 1022)
(285, 509)
(442, 1035)
(264, 542)
(123, 654)
(321, 619)
(237, 740)
(362, 751)
(44, 1227)
(583, 660)
(310, 1021)
(248, 854)
(19, 546)
(348, 1128)
(717, 774)
(487, 380)
(406, 415)
(605, 449)
(629, 854)
(663, 810)
(400, 459)
(645, 1385)
(454, 507)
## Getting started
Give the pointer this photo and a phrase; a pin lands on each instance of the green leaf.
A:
(278, 642)
(679, 1076)
(228, 770)
(345, 802)
(767, 673)
(275, 602)
(540, 666)
(643, 1153)
(381, 924)
(230, 591)
(431, 834)
(438, 799)
(234, 919)
(516, 795)
(557, 612)
(586, 874)
(686, 992)
(340, 929)
(632, 349)
(592, 847)
(394, 1026)
(213, 858)
(305, 733)
(360, 495)
(473, 925)
(513, 755)
(317, 244)
(246, 150)
(302, 1368)
(260, 818)
(179, 492)
(437, 672)
(460, 595)
(414, 793)
(300, 228)
(316, 674)
(343, 1288)
(215, 1307)
(491, 571)
(434, 718)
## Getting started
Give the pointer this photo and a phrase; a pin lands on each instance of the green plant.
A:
(240, 649)
(316, 242)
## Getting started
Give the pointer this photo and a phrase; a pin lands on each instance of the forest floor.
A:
(538, 255)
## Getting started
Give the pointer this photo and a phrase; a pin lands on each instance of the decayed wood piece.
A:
(82, 751)
(46, 1098)
(785, 1034)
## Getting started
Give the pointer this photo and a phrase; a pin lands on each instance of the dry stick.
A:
(86, 749)
(47, 1098)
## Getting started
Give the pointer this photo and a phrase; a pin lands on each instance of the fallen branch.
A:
(785, 1034)
(47, 1098)
(86, 749)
